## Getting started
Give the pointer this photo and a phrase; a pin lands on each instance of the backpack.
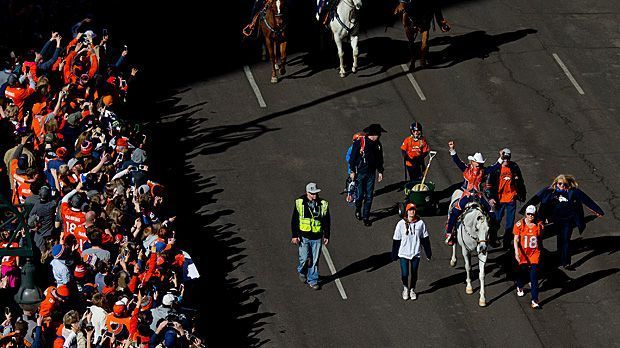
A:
(356, 136)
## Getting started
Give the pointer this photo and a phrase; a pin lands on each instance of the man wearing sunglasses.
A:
(561, 206)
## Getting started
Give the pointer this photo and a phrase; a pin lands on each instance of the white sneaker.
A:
(405, 293)
(520, 292)
(535, 305)
(413, 295)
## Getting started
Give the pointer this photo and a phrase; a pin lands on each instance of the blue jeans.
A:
(365, 191)
(509, 209)
(523, 270)
(309, 250)
(404, 271)
(565, 231)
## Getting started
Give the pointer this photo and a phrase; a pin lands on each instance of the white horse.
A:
(472, 235)
(345, 24)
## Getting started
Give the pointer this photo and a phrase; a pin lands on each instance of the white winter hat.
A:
(477, 157)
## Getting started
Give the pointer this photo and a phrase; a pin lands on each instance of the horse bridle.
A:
(478, 241)
(276, 31)
(355, 10)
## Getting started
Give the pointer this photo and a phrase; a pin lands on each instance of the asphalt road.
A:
(494, 83)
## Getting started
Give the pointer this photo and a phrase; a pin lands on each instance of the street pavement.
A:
(493, 82)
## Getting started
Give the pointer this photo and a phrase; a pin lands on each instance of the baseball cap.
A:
(410, 206)
(312, 188)
(530, 209)
(506, 151)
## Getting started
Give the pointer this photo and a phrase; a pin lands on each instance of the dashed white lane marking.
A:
(568, 74)
(330, 263)
(415, 84)
(259, 95)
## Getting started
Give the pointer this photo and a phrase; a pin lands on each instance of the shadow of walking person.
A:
(369, 264)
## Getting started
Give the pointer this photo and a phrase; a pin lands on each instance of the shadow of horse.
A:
(477, 44)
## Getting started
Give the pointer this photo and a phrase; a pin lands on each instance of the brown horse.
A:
(417, 17)
(273, 28)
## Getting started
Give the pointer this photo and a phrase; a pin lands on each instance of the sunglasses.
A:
(562, 184)
(529, 214)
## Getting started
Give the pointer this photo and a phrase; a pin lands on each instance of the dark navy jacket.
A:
(576, 198)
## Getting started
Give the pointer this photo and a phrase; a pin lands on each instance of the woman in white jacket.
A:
(410, 233)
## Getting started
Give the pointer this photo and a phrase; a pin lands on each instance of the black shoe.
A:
(367, 223)
(358, 215)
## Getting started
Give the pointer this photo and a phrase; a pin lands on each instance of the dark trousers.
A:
(509, 209)
(365, 191)
(414, 172)
(533, 276)
(404, 271)
(565, 231)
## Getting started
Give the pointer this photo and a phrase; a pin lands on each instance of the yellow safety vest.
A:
(312, 223)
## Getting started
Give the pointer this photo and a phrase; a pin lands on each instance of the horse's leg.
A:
(410, 37)
(468, 288)
(340, 54)
(355, 50)
(283, 58)
(453, 258)
(272, 55)
(482, 260)
(423, 47)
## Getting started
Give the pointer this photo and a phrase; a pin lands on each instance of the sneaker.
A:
(315, 286)
(412, 295)
(358, 215)
(535, 305)
(405, 293)
(367, 223)
(302, 278)
(520, 292)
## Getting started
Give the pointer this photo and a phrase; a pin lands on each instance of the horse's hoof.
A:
(274, 79)
(354, 70)
(452, 263)
(469, 290)
(482, 303)
(276, 66)
(282, 71)
(342, 74)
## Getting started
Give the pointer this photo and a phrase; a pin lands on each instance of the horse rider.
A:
(421, 12)
(473, 175)
(414, 149)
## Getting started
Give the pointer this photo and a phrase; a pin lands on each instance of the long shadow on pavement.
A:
(369, 264)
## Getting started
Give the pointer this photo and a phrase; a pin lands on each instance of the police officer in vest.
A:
(310, 226)
(506, 187)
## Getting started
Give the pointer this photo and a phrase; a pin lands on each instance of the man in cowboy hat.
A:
(366, 164)
(473, 175)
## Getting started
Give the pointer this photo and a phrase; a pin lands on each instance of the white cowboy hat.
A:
(477, 157)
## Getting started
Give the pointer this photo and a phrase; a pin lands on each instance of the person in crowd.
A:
(310, 228)
(366, 166)
(410, 233)
(414, 149)
(527, 242)
(561, 205)
(506, 187)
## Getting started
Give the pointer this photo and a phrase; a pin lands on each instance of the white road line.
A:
(259, 96)
(413, 82)
(330, 263)
(568, 74)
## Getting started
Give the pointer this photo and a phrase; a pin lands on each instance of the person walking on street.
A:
(506, 187)
(414, 149)
(410, 233)
(527, 242)
(366, 165)
(561, 205)
(310, 226)
(474, 174)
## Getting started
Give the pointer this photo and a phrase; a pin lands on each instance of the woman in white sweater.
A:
(410, 233)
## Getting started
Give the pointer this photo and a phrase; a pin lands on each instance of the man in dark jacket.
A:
(505, 187)
(310, 225)
(365, 162)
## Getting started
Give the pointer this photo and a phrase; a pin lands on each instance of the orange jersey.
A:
(529, 242)
(414, 148)
(506, 190)
(49, 304)
(18, 95)
(9, 261)
(73, 223)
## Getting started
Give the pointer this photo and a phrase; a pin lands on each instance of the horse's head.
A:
(477, 224)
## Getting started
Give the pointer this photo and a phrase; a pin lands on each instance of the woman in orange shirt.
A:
(527, 243)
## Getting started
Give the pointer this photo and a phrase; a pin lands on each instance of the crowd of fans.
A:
(102, 228)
